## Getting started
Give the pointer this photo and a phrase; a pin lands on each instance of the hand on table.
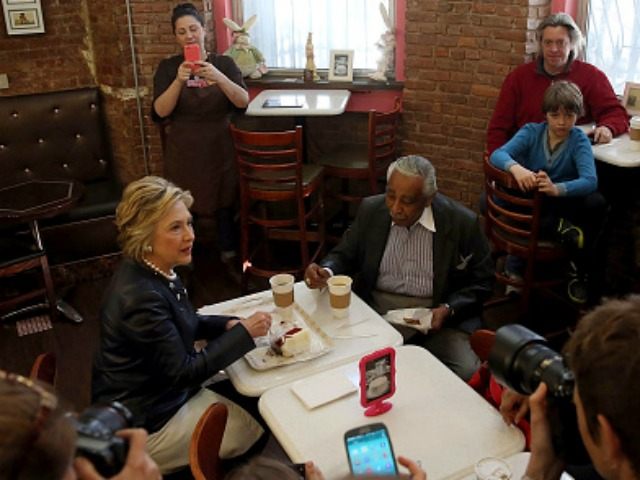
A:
(139, 465)
(438, 317)
(316, 276)
(312, 472)
(415, 470)
(602, 134)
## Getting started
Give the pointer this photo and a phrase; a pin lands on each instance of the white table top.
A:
(436, 418)
(369, 332)
(518, 464)
(621, 151)
(312, 103)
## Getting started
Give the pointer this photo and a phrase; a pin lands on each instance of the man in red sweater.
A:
(522, 91)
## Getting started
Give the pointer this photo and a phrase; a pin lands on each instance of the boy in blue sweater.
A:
(555, 158)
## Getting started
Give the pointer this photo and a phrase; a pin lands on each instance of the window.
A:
(613, 40)
(281, 30)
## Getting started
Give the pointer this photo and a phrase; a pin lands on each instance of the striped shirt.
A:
(407, 263)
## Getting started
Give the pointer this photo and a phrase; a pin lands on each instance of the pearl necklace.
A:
(170, 276)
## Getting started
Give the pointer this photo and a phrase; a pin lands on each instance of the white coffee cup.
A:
(492, 468)
(282, 289)
(634, 131)
(340, 294)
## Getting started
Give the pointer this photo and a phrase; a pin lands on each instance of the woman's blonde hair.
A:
(37, 440)
(144, 202)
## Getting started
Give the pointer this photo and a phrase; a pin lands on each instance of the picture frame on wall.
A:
(23, 17)
(631, 98)
(341, 66)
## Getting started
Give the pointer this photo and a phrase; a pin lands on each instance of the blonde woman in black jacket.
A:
(147, 358)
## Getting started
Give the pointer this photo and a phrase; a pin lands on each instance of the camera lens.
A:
(104, 420)
(521, 359)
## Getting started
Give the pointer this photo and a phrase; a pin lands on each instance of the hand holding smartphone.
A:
(369, 450)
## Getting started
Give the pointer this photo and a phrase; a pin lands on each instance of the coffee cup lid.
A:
(635, 122)
(492, 468)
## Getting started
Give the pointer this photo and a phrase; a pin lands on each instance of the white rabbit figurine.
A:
(386, 45)
(248, 58)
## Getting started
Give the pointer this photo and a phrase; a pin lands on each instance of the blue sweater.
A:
(571, 166)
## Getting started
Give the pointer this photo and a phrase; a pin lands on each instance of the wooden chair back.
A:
(44, 368)
(383, 143)
(204, 450)
(512, 225)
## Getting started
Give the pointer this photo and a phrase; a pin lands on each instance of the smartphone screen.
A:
(369, 450)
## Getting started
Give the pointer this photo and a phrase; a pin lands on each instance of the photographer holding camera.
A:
(602, 380)
(39, 440)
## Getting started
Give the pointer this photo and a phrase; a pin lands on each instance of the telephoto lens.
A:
(97, 442)
(521, 359)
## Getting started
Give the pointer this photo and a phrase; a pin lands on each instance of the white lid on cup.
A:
(282, 282)
(339, 284)
(492, 468)
(635, 123)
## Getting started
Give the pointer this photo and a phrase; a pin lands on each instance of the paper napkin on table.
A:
(323, 388)
(418, 318)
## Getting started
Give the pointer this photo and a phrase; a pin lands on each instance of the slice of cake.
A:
(294, 342)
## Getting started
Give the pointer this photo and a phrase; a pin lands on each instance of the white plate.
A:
(264, 358)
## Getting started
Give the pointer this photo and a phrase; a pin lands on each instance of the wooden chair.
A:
(482, 342)
(18, 256)
(353, 163)
(280, 197)
(512, 225)
(204, 450)
(45, 368)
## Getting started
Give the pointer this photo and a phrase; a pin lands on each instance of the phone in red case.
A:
(192, 53)
(377, 381)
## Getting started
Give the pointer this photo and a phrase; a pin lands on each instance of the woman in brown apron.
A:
(198, 98)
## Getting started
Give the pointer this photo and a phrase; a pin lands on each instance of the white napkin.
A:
(322, 388)
(418, 318)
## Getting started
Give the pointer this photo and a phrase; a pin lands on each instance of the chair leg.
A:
(48, 285)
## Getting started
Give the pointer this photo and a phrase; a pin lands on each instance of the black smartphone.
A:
(369, 450)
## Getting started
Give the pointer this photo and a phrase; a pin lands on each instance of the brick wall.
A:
(458, 53)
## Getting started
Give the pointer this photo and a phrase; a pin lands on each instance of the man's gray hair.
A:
(416, 166)
(563, 20)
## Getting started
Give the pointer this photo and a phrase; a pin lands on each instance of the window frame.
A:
(225, 8)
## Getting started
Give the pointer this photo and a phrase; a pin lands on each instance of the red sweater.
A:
(520, 101)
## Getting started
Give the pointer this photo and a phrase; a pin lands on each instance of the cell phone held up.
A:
(192, 56)
(369, 451)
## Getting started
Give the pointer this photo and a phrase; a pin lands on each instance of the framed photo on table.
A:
(631, 98)
(341, 66)
(23, 17)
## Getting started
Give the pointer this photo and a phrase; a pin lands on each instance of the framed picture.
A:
(631, 99)
(341, 66)
(23, 17)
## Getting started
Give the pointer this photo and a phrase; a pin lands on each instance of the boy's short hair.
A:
(563, 94)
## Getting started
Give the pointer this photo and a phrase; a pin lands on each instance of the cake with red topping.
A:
(294, 341)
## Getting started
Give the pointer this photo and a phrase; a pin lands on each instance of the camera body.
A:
(521, 359)
(97, 442)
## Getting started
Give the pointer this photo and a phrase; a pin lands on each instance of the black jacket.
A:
(463, 271)
(146, 359)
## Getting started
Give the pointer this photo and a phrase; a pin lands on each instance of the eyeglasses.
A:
(48, 403)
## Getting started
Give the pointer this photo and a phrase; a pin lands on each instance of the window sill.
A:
(366, 94)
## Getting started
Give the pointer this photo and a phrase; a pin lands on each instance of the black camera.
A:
(521, 359)
(97, 442)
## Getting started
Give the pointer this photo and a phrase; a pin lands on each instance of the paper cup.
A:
(634, 131)
(282, 289)
(340, 294)
(492, 468)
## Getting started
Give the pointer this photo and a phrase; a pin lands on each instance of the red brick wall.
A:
(458, 53)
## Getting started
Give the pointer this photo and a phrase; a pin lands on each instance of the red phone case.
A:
(375, 364)
(192, 52)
